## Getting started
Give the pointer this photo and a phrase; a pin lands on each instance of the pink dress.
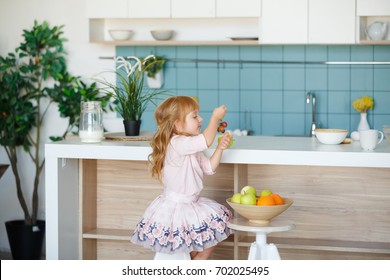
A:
(179, 220)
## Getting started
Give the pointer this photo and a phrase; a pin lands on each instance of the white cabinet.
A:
(331, 22)
(373, 7)
(308, 22)
(283, 22)
(149, 9)
(369, 11)
(234, 8)
(193, 8)
(106, 8)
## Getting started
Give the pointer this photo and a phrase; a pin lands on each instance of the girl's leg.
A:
(203, 255)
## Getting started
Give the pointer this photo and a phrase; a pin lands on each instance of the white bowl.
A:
(120, 35)
(162, 35)
(331, 136)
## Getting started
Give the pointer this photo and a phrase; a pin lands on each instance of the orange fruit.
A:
(266, 201)
(277, 198)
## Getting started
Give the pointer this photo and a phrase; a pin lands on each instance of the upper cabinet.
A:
(373, 7)
(234, 8)
(149, 9)
(331, 22)
(308, 22)
(368, 12)
(107, 8)
(218, 21)
(193, 8)
(117, 9)
(283, 22)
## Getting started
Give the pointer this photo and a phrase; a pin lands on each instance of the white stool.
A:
(177, 256)
(260, 250)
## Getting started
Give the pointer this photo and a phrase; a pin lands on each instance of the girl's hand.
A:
(224, 141)
(219, 112)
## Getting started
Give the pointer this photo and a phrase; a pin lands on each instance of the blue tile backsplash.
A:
(275, 94)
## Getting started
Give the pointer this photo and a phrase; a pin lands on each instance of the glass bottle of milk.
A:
(91, 123)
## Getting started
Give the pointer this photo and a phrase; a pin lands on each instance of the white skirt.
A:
(175, 222)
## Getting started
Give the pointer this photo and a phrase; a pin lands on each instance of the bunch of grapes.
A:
(221, 127)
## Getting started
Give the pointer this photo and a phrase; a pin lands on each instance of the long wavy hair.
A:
(172, 109)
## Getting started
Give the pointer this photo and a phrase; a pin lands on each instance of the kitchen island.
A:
(96, 193)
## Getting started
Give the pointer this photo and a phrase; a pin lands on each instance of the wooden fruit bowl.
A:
(260, 215)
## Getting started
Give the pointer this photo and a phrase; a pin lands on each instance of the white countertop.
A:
(246, 150)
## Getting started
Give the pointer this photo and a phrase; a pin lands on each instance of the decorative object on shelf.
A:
(377, 30)
(362, 105)
(155, 71)
(91, 122)
(130, 95)
(120, 35)
(162, 35)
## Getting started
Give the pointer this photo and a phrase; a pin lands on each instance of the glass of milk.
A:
(91, 123)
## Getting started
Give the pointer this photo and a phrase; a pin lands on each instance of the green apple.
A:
(236, 198)
(248, 189)
(265, 192)
(230, 143)
(248, 199)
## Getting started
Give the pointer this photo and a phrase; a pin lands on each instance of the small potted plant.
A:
(154, 71)
(362, 105)
(130, 95)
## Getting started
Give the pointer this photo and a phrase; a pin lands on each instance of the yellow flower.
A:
(363, 104)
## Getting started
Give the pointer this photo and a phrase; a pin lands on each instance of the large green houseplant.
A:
(129, 93)
(31, 79)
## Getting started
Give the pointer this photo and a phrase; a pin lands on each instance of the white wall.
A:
(82, 60)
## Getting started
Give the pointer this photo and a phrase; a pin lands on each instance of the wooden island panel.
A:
(339, 212)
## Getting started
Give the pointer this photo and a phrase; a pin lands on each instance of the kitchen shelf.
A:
(124, 235)
(108, 234)
(371, 42)
(180, 43)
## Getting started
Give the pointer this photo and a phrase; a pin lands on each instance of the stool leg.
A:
(269, 252)
(253, 252)
(260, 250)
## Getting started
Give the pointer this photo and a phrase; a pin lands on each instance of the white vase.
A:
(363, 124)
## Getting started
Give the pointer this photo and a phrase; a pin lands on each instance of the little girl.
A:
(179, 220)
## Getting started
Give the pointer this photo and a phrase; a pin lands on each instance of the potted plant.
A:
(129, 93)
(154, 71)
(31, 79)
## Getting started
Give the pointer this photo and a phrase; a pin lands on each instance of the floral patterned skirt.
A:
(181, 223)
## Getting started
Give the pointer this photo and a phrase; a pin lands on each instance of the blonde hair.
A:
(172, 109)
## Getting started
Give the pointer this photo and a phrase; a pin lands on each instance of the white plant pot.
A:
(157, 81)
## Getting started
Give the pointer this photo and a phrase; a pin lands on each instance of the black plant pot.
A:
(132, 127)
(26, 241)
